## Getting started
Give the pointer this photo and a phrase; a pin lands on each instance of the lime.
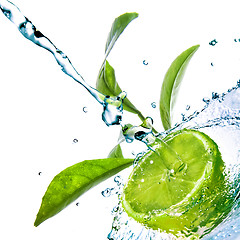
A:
(179, 186)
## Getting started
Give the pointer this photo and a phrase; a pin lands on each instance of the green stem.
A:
(142, 118)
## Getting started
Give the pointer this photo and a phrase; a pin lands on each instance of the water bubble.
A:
(145, 62)
(75, 140)
(213, 42)
(85, 109)
(153, 104)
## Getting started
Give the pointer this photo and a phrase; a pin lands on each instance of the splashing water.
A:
(112, 107)
(220, 119)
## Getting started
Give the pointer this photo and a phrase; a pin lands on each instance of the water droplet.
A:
(151, 162)
(85, 109)
(115, 209)
(213, 42)
(206, 100)
(7, 13)
(187, 107)
(215, 95)
(232, 191)
(75, 140)
(145, 62)
(118, 180)
(212, 64)
(107, 192)
(183, 117)
(40, 173)
(140, 135)
(153, 104)
(129, 140)
(238, 83)
(147, 218)
(142, 180)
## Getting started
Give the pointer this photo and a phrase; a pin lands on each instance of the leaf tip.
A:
(37, 223)
(39, 219)
(196, 47)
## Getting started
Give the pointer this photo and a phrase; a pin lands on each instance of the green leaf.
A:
(106, 81)
(118, 27)
(72, 182)
(116, 152)
(108, 85)
(171, 84)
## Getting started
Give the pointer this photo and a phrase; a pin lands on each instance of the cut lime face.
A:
(179, 186)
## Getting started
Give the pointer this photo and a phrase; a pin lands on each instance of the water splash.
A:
(220, 119)
(114, 190)
(112, 107)
(144, 133)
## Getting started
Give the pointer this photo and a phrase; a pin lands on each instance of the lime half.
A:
(179, 186)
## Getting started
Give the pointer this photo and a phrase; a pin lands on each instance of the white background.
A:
(41, 107)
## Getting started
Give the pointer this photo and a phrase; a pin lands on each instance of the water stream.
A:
(112, 106)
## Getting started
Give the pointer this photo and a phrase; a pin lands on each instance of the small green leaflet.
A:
(106, 81)
(72, 182)
(171, 84)
(118, 27)
(108, 85)
(116, 152)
